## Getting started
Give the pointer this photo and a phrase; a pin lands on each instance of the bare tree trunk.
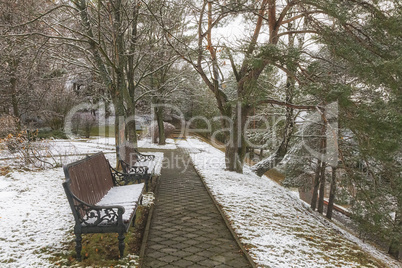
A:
(323, 145)
(236, 147)
(161, 128)
(13, 92)
(250, 152)
(395, 246)
(119, 129)
(131, 132)
(316, 185)
(332, 192)
(320, 207)
(231, 157)
(131, 126)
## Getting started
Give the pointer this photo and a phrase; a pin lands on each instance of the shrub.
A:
(8, 124)
(49, 134)
(28, 152)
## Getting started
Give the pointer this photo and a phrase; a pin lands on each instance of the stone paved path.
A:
(187, 230)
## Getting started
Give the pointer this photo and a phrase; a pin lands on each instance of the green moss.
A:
(104, 131)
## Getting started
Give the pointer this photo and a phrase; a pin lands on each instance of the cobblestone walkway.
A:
(187, 230)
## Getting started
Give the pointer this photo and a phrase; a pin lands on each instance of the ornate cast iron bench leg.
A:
(121, 244)
(78, 245)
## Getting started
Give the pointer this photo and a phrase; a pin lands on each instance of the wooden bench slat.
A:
(90, 180)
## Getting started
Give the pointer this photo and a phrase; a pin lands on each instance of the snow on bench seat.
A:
(128, 196)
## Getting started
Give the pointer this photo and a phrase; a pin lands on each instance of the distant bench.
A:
(98, 203)
(133, 162)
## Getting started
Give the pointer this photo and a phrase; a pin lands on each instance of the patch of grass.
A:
(5, 170)
(275, 175)
(103, 131)
(102, 250)
(48, 133)
(345, 250)
(8, 261)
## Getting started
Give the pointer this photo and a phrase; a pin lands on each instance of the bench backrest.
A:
(90, 178)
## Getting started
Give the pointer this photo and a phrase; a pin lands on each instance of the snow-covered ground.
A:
(35, 218)
(34, 215)
(276, 227)
(142, 143)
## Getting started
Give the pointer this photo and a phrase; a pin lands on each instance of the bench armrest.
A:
(136, 173)
(134, 169)
(119, 178)
(100, 215)
(140, 170)
(91, 215)
(144, 157)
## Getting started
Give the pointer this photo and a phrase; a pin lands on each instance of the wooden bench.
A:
(98, 202)
(134, 162)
